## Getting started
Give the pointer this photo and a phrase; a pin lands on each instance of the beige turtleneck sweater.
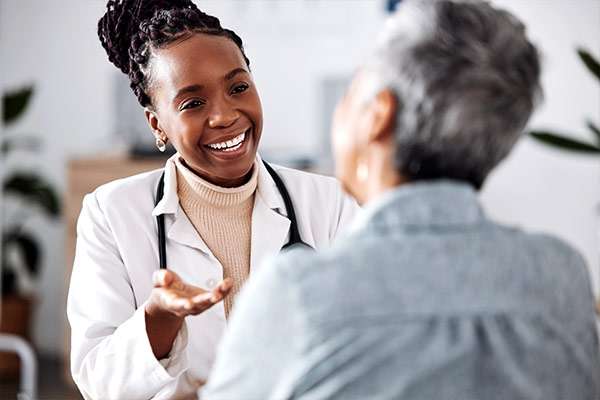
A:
(223, 218)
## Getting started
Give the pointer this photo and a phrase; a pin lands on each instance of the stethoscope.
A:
(295, 239)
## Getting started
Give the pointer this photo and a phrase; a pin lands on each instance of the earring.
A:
(161, 145)
(362, 172)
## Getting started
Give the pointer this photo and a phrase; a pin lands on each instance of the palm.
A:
(172, 294)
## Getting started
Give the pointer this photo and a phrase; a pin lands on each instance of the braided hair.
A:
(131, 29)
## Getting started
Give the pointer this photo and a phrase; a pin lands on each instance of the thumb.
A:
(164, 278)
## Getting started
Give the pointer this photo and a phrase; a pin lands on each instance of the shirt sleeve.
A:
(262, 331)
(111, 356)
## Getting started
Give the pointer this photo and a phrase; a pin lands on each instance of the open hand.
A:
(173, 296)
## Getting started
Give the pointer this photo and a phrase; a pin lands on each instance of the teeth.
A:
(229, 145)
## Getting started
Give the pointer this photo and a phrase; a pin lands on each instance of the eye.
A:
(242, 87)
(195, 103)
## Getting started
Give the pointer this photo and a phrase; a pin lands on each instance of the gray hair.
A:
(466, 79)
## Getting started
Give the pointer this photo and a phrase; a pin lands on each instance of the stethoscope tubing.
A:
(295, 238)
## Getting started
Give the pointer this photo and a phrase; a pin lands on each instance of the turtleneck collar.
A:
(191, 186)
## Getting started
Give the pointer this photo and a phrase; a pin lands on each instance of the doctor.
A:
(209, 219)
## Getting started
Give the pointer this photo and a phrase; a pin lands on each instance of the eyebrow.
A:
(187, 89)
(230, 75)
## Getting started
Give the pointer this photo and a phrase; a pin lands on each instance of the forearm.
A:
(118, 365)
(162, 329)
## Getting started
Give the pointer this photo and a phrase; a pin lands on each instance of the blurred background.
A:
(71, 123)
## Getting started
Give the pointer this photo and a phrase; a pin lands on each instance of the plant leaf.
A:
(28, 143)
(35, 189)
(564, 143)
(594, 129)
(590, 62)
(15, 103)
(29, 249)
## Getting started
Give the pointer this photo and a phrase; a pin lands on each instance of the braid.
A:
(130, 29)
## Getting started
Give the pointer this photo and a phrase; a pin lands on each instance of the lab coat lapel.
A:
(270, 228)
(183, 232)
(177, 225)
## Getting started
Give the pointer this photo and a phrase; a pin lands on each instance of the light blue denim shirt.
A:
(426, 299)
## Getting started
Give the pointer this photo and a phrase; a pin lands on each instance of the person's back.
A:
(427, 299)
(422, 302)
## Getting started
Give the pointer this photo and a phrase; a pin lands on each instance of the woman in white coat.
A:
(142, 332)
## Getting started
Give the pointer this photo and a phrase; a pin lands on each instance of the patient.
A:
(427, 298)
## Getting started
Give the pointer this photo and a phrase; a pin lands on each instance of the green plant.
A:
(564, 142)
(20, 248)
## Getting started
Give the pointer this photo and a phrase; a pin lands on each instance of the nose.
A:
(222, 114)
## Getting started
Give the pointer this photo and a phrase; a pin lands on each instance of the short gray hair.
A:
(466, 78)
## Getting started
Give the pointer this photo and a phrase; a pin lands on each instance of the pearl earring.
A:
(161, 145)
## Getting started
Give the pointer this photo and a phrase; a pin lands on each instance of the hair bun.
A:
(121, 23)
(129, 28)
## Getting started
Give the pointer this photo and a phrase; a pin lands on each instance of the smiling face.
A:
(206, 105)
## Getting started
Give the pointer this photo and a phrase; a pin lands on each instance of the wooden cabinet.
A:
(83, 176)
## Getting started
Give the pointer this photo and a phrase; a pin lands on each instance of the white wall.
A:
(53, 45)
(293, 46)
(538, 187)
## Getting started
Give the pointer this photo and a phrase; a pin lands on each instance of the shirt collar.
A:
(423, 204)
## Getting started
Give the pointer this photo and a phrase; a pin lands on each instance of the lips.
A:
(229, 145)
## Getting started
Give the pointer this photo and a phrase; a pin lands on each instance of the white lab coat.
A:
(117, 253)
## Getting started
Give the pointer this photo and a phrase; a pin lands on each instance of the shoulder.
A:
(560, 257)
(550, 267)
(547, 248)
(133, 192)
(309, 190)
(307, 180)
(135, 185)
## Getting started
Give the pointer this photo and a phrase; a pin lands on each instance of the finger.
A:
(161, 278)
(202, 298)
(198, 304)
(202, 306)
(226, 284)
(222, 290)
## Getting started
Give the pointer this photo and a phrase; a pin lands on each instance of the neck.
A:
(194, 191)
(224, 183)
(382, 176)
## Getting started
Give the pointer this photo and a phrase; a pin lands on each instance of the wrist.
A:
(156, 313)
(162, 327)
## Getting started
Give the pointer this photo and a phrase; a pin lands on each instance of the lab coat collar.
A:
(266, 188)
(270, 226)
(178, 226)
(170, 201)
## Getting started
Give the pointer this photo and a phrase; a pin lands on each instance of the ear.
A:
(154, 124)
(383, 111)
